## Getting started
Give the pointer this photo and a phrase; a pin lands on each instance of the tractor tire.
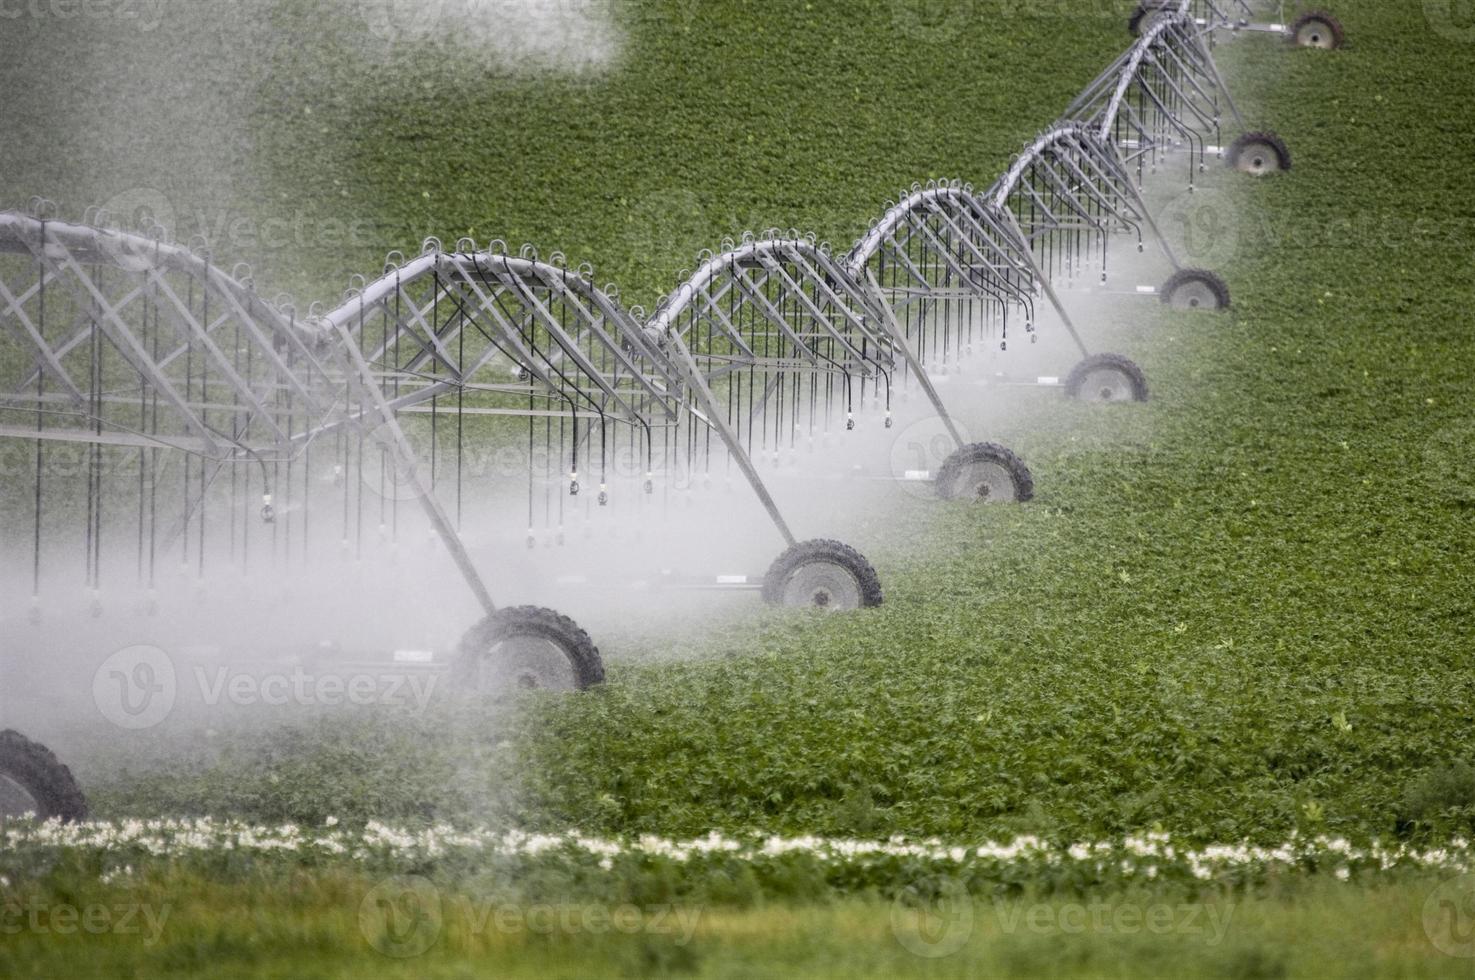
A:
(34, 771)
(1259, 154)
(526, 648)
(1107, 378)
(986, 472)
(822, 575)
(1195, 289)
(1317, 29)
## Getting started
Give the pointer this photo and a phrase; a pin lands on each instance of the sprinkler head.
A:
(268, 512)
(603, 496)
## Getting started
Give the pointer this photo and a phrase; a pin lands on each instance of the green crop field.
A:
(1244, 612)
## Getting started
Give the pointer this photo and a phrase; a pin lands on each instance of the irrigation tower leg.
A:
(898, 336)
(715, 419)
(392, 437)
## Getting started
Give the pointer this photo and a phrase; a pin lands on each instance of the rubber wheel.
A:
(1317, 29)
(1259, 154)
(822, 575)
(1196, 289)
(526, 648)
(32, 780)
(1107, 378)
(986, 472)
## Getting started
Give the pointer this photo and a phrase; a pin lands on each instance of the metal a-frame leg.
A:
(1022, 246)
(1152, 224)
(703, 394)
(389, 434)
(899, 337)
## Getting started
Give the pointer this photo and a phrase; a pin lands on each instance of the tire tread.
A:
(836, 552)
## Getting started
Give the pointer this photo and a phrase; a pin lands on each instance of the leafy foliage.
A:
(1241, 610)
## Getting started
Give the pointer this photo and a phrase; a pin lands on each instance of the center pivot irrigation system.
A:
(215, 427)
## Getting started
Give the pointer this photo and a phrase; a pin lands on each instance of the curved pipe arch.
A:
(919, 201)
(130, 252)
